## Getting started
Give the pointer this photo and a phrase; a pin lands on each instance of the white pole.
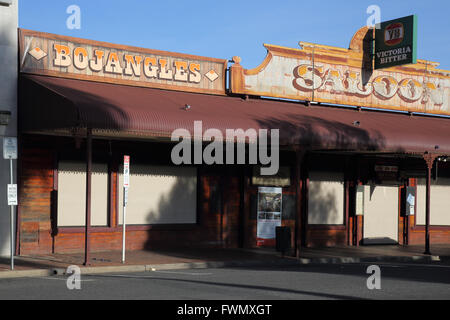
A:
(125, 191)
(126, 183)
(12, 218)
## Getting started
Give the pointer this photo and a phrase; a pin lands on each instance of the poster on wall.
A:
(269, 215)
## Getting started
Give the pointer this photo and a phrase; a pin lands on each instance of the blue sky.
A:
(223, 29)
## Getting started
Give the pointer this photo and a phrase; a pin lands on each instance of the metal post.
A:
(347, 209)
(427, 212)
(429, 160)
(125, 191)
(88, 196)
(298, 211)
(12, 217)
(241, 232)
(305, 201)
(126, 184)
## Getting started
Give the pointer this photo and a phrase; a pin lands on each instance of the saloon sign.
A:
(333, 80)
(49, 54)
(342, 76)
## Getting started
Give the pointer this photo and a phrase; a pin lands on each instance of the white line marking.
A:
(184, 273)
(60, 279)
(119, 276)
(153, 277)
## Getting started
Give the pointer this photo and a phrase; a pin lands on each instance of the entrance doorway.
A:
(380, 214)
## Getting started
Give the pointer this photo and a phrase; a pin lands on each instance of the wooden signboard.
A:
(344, 76)
(67, 57)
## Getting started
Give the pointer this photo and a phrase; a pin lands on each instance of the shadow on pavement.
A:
(253, 287)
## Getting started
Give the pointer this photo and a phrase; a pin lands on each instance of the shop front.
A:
(343, 171)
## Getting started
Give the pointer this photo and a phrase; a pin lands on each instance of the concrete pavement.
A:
(191, 258)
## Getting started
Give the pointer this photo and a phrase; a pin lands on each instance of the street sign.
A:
(12, 194)
(396, 42)
(125, 196)
(126, 171)
(359, 210)
(9, 148)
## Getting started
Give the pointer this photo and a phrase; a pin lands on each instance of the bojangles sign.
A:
(344, 76)
(49, 54)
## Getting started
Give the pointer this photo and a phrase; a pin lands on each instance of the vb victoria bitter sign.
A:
(396, 42)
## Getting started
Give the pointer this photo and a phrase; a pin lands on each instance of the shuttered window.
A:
(72, 194)
(326, 198)
(160, 195)
(440, 202)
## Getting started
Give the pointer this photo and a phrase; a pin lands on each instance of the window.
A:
(439, 205)
(326, 198)
(160, 195)
(72, 194)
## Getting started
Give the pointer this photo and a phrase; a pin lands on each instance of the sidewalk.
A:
(143, 260)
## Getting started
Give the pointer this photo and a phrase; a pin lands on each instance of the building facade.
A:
(8, 107)
(349, 175)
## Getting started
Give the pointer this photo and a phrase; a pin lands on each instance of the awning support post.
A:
(298, 212)
(242, 207)
(88, 196)
(429, 159)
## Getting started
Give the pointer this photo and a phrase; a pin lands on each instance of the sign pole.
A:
(10, 153)
(126, 184)
(12, 217)
(125, 191)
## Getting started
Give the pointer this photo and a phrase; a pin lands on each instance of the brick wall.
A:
(218, 223)
(35, 188)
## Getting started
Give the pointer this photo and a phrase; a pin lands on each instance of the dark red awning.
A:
(50, 104)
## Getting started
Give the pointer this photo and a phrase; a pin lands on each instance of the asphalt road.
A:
(341, 281)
